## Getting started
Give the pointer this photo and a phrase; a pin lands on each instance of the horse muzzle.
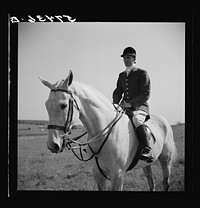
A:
(56, 147)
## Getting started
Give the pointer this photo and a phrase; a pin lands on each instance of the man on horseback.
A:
(132, 93)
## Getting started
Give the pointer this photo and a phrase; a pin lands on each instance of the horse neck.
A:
(96, 111)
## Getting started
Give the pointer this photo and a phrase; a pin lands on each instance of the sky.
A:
(92, 51)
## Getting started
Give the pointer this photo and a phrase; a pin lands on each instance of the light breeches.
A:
(139, 117)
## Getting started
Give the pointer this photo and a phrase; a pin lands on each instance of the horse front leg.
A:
(117, 182)
(99, 179)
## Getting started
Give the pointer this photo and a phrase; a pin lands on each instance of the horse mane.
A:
(92, 95)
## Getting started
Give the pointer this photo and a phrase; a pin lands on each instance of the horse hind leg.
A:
(168, 156)
(148, 173)
(166, 169)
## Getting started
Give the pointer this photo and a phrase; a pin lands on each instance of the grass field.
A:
(39, 169)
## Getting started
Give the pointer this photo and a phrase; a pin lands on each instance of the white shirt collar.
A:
(130, 68)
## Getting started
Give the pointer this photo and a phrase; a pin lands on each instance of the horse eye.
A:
(63, 106)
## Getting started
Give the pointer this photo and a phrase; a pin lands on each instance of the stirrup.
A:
(146, 156)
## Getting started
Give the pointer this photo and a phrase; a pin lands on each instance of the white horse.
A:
(113, 156)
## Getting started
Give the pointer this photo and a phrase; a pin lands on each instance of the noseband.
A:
(68, 122)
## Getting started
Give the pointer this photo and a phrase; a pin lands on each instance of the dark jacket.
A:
(133, 89)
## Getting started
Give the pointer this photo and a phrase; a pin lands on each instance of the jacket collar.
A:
(131, 71)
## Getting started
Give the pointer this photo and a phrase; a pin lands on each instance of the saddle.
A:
(150, 127)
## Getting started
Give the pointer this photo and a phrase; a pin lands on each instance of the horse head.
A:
(60, 107)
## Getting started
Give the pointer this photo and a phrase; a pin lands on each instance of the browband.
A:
(61, 90)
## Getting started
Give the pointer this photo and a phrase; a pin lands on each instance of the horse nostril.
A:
(56, 147)
(53, 147)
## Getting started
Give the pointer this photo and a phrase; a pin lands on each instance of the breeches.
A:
(139, 117)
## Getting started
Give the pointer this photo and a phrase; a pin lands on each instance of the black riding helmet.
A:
(129, 51)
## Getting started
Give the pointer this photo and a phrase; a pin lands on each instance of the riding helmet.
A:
(129, 51)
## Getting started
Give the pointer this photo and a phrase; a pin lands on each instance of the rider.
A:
(133, 90)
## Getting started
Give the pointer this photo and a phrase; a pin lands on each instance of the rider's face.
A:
(128, 60)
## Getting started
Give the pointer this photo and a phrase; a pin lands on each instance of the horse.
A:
(112, 141)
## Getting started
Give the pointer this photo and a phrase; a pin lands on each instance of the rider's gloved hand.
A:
(125, 105)
(117, 107)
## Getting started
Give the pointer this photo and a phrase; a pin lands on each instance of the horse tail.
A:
(174, 154)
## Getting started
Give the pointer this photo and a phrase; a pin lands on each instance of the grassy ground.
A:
(39, 169)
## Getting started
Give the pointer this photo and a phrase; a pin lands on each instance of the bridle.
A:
(68, 122)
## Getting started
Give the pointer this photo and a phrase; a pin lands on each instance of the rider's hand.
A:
(125, 105)
(117, 107)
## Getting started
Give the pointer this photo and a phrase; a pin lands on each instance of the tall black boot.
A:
(144, 139)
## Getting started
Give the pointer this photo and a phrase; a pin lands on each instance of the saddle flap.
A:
(154, 129)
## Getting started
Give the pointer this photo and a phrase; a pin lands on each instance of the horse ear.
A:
(45, 82)
(69, 79)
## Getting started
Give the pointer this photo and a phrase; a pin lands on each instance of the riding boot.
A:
(144, 138)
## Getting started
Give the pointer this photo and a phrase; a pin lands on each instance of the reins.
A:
(102, 134)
